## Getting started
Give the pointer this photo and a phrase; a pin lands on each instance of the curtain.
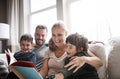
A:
(18, 21)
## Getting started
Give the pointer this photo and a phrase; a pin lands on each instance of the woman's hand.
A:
(76, 62)
(59, 76)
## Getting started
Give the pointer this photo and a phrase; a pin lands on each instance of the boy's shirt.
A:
(85, 72)
(29, 56)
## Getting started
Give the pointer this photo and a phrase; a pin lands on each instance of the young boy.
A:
(77, 45)
(25, 54)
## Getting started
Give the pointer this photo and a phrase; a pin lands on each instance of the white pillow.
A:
(99, 50)
(114, 58)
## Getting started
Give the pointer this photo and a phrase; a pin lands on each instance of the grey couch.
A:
(110, 55)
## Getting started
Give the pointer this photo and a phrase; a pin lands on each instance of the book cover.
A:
(25, 72)
(24, 64)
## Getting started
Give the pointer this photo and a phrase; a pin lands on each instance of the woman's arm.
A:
(77, 62)
(93, 60)
(44, 69)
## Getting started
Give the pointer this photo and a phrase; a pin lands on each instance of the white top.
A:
(54, 63)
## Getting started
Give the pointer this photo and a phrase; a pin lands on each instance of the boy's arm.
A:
(64, 72)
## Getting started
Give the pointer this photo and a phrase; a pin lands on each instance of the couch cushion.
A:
(114, 58)
(3, 57)
(99, 50)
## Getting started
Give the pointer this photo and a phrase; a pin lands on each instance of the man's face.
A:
(40, 36)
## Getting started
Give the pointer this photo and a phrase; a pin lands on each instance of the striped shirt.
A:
(40, 52)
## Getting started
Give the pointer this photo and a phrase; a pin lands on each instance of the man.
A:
(40, 47)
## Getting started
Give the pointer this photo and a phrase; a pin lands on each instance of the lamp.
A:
(4, 31)
(4, 35)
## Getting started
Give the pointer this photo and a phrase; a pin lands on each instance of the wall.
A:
(3, 11)
(3, 19)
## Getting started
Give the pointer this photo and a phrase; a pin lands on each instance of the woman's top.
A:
(54, 63)
(29, 56)
(87, 71)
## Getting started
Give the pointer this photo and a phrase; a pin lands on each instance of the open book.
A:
(10, 58)
(25, 70)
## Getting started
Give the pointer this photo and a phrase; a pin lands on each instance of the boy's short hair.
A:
(79, 41)
(26, 37)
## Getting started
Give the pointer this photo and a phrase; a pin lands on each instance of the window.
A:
(42, 12)
(83, 18)
(96, 19)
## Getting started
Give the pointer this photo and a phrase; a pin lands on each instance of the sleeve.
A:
(34, 58)
(47, 54)
(65, 72)
(14, 55)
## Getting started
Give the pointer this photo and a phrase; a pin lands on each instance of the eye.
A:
(43, 35)
(59, 34)
(66, 46)
(70, 47)
(53, 34)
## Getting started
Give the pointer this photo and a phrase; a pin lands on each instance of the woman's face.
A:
(58, 36)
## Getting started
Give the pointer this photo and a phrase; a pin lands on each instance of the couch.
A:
(110, 56)
(3, 67)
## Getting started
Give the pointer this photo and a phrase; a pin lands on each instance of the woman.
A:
(55, 55)
(54, 58)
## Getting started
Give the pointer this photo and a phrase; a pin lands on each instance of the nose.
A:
(56, 38)
(40, 37)
(25, 47)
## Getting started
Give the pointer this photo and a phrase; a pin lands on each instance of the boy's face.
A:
(25, 46)
(70, 49)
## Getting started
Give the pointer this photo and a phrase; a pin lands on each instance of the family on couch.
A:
(51, 58)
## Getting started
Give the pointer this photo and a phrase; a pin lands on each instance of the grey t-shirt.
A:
(40, 53)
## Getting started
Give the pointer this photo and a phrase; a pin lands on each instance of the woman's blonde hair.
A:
(59, 24)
